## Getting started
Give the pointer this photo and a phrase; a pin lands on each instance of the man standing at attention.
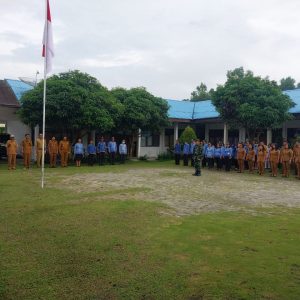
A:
(53, 151)
(101, 149)
(198, 155)
(123, 151)
(11, 150)
(26, 150)
(39, 149)
(112, 149)
(64, 151)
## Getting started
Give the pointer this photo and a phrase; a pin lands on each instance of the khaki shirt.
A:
(26, 146)
(11, 147)
(240, 153)
(64, 146)
(274, 156)
(39, 144)
(297, 155)
(250, 155)
(53, 147)
(261, 156)
(286, 154)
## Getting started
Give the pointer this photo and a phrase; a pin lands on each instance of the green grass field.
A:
(132, 232)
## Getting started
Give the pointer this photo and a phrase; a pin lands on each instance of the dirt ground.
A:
(185, 194)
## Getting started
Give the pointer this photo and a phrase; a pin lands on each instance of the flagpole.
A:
(44, 96)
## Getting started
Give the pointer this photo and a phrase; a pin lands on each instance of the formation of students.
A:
(250, 156)
(63, 149)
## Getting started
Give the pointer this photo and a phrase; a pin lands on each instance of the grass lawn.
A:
(148, 230)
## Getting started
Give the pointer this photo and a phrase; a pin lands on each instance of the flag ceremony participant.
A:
(11, 151)
(240, 156)
(198, 155)
(112, 150)
(123, 151)
(91, 151)
(101, 150)
(286, 155)
(177, 152)
(209, 155)
(186, 152)
(53, 151)
(261, 157)
(39, 149)
(250, 157)
(274, 160)
(26, 150)
(296, 158)
(217, 156)
(192, 146)
(227, 155)
(64, 151)
(78, 152)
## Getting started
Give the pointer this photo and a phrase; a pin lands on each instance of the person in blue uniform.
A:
(204, 160)
(192, 146)
(123, 151)
(101, 150)
(112, 150)
(227, 155)
(78, 152)
(177, 152)
(209, 154)
(217, 157)
(186, 153)
(91, 150)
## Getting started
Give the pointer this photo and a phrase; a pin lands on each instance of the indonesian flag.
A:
(48, 48)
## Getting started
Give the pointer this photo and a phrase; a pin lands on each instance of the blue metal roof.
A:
(295, 96)
(205, 109)
(19, 87)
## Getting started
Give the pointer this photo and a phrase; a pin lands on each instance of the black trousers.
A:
(91, 159)
(112, 157)
(219, 163)
(227, 162)
(204, 161)
(210, 162)
(177, 159)
(101, 158)
(122, 158)
(185, 159)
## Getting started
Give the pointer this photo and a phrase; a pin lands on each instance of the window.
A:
(169, 137)
(149, 139)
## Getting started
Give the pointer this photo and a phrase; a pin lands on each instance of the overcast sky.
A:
(167, 46)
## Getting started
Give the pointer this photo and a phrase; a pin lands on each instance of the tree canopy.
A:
(252, 102)
(287, 83)
(201, 93)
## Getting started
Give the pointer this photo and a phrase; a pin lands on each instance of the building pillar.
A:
(269, 136)
(225, 139)
(206, 133)
(242, 134)
(284, 131)
(175, 132)
(139, 137)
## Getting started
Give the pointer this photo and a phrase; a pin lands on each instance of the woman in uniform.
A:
(274, 160)
(240, 155)
(250, 157)
(261, 157)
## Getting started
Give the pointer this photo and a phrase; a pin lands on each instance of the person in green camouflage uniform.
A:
(198, 155)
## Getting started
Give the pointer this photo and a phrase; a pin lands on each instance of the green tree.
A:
(252, 102)
(287, 84)
(201, 93)
(187, 135)
(75, 102)
(142, 111)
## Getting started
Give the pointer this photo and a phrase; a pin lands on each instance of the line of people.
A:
(251, 156)
(63, 149)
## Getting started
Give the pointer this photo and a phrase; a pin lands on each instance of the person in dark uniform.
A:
(186, 153)
(177, 152)
(227, 156)
(112, 150)
(198, 155)
(204, 160)
(192, 146)
(91, 150)
(274, 160)
(101, 150)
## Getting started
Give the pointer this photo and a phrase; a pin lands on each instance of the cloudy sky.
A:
(167, 46)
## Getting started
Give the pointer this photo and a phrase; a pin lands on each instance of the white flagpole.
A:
(44, 96)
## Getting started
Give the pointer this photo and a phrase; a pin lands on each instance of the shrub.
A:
(187, 135)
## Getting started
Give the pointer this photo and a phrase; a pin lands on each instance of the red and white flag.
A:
(48, 46)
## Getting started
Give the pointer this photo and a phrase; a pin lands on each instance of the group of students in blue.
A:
(100, 150)
(221, 154)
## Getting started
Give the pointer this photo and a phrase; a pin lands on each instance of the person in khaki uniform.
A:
(250, 158)
(11, 150)
(240, 155)
(286, 156)
(261, 157)
(39, 149)
(296, 158)
(274, 160)
(64, 151)
(53, 151)
(26, 150)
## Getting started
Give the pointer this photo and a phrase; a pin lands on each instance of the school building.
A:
(205, 120)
